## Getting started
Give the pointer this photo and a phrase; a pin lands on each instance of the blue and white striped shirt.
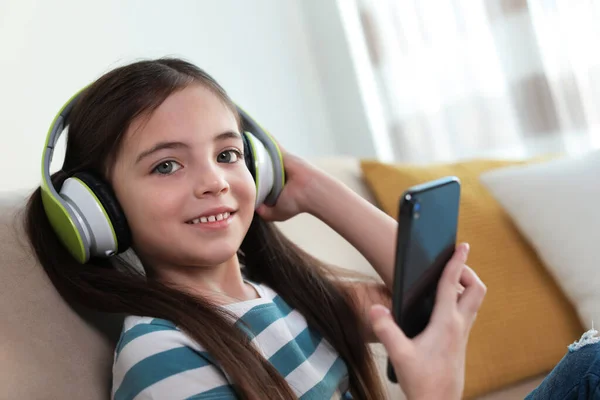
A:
(155, 360)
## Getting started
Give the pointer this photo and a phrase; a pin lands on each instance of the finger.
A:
(472, 298)
(447, 287)
(388, 333)
(264, 211)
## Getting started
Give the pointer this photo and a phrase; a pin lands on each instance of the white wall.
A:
(349, 86)
(258, 50)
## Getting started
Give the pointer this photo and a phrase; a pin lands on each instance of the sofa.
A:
(53, 350)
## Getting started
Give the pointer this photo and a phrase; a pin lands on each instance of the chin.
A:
(210, 254)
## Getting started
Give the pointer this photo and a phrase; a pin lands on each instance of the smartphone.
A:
(426, 240)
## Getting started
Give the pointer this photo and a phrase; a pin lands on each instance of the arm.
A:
(443, 344)
(371, 231)
(432, 365)
(364, 226)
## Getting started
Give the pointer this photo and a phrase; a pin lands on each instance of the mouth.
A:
(212, 219)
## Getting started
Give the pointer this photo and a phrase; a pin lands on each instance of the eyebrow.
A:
(160, 146)
(227, 135)
(180, 145)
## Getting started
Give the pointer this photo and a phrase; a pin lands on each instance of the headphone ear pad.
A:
(248, 155)
(115, 213)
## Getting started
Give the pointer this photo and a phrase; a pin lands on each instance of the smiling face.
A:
(181, 180)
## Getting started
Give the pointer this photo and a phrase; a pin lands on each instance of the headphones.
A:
(86, 215)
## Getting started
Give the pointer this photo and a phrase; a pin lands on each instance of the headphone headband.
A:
(68, 225)
(56, 129)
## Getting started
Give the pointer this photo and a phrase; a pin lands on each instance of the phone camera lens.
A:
(416, 210)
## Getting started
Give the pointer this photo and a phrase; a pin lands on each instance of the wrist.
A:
(320, 191)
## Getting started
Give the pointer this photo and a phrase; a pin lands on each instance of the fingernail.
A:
(466, 248)
(381, 307)
(377, 311)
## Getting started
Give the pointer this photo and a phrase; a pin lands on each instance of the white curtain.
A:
(465, 78)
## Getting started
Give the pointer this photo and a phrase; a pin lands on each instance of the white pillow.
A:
(556, 206)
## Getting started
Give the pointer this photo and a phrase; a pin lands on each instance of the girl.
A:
(166, 139)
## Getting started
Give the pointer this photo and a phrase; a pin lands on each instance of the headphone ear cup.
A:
(268, 172)
(67, 222)
(267, 160)
(114, 212)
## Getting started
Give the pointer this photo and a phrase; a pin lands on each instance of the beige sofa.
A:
(50, 350)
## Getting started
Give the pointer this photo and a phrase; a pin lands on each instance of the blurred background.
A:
(406, 80)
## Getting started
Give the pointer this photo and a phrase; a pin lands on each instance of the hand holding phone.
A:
(431, 365)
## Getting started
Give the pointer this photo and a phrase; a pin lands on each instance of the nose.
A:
(210, 182)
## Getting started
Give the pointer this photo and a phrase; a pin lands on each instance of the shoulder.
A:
(154, 359)
(141, 333)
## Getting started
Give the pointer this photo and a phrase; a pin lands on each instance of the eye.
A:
(229, 156)
(166, 167)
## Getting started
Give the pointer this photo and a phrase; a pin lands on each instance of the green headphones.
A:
(86, 215)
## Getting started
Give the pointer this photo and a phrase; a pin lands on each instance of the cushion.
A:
(48, 350)
(525, 322)
(556, 205)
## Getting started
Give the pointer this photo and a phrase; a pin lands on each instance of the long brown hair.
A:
(98, 124)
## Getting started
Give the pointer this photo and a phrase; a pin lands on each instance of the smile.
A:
(212, 219)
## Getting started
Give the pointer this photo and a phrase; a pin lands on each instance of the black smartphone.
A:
(426, 240)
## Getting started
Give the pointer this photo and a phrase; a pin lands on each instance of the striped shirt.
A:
(155, 360)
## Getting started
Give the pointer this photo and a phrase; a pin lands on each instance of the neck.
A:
(221, 284)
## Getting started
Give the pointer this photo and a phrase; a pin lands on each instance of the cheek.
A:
(150, 203)
(245, 189)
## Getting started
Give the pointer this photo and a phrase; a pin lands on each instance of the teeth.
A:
(211, 218)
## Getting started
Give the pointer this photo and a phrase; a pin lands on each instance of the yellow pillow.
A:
(525, 323)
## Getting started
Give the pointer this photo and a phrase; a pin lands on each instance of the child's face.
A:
(197, 170)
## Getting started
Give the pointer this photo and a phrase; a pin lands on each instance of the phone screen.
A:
(431, 219)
